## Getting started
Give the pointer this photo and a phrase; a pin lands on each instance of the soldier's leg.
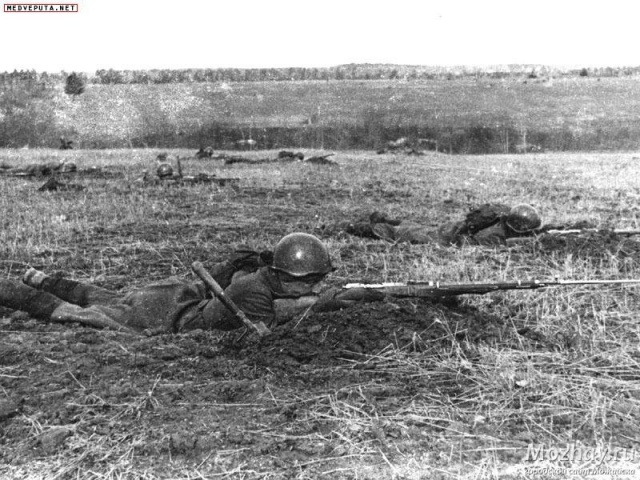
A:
(378, 217)
(36, 303)
(70, 291)
(385, 231)
(46, 306)
(415, 233)
(359, 229)
(96, 316)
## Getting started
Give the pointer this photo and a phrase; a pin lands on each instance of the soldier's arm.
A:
(254, 299)
(288, 308)
(330, 301)
(452, 233)
(337, 299)
(494, 235)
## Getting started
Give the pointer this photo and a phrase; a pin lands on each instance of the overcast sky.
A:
(147, 34)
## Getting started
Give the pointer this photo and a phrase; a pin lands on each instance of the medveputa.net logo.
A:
(40, 7)
(598, 455)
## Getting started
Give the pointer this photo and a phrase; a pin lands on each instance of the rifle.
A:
(439, 290)
(574, 231)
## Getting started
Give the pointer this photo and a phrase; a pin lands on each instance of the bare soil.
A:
(186, 396)
(322, 393)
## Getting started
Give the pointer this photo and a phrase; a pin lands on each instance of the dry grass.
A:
(450, 407)
(576, 107)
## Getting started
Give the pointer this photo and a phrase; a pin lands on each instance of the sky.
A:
(164, 34)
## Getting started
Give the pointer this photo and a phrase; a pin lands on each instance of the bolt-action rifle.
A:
(574, 231)
(570, 231)
(439, 290)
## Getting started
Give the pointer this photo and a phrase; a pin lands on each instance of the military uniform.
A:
(488, 224)
(497, 234)
(163, 306)
(266, 293)
(170, 306)
(405, 232)
(39, 169)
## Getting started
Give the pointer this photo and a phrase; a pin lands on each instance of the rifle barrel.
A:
(596, 282)
(592, 230)
(436, 289)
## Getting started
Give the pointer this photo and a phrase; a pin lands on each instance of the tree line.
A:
(341, 72)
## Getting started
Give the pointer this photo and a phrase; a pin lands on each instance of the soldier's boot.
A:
(46, 306)
(70, 291)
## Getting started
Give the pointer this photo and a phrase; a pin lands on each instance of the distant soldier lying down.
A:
(38, 169)
(489, 224)
(268, 291)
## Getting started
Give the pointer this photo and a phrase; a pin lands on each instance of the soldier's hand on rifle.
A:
(336, 298)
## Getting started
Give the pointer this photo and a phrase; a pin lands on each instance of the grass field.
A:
(397, 389)
(465, 115)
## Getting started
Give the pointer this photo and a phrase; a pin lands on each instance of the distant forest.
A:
(341, 72)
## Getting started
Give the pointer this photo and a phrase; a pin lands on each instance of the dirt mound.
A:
(327, 338)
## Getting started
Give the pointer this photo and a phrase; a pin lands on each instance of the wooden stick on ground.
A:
(212, 285)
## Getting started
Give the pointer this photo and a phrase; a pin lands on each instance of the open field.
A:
(400, 389)
(464, 115)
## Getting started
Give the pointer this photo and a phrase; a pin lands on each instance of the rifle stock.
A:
(439, 290)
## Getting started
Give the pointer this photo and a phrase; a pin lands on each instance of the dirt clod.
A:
(53, 439)
(8, 408)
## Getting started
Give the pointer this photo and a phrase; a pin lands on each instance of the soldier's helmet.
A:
(164, 170)
(68, 167)
(523, 218)
(301, 255)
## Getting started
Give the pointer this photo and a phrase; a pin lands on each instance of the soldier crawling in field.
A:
(65, 144)
(489, 224)
(267, 287)
(38, 169)
(204, 153)
(166, 175)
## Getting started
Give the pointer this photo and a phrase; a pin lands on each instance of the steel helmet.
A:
(164, 170)
(523, 218)
(301, 254)
(68, 167)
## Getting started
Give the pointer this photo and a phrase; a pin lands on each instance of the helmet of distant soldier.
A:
(68, 167)
(164, 170)
(300, 255)
(523, 218)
